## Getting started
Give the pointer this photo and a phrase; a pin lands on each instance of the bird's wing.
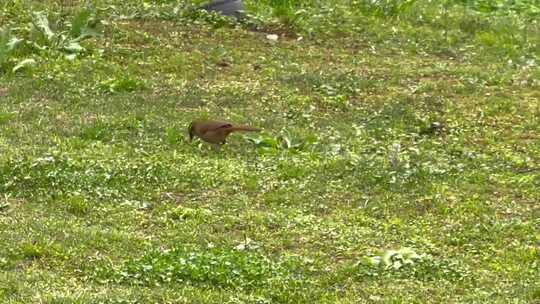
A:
(214, 125)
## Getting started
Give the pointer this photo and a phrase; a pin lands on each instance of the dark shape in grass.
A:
(433, 128)
(231, 8)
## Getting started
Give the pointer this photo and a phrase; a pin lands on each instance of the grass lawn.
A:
(399, 160)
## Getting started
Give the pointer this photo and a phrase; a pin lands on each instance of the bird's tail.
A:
(244, 128)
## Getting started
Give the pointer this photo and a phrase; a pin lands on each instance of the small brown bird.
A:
(215, 132)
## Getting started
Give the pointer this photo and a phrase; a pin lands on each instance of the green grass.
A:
(398, 163)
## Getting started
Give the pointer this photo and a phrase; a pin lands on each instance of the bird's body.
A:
(215, 131)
